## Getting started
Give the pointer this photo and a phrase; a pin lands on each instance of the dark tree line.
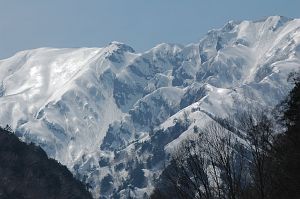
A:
(241, 158)
(285, 156)
(26, 172)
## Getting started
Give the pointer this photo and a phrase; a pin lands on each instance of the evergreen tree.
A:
(285, 156)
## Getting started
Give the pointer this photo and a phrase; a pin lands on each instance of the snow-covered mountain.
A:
(112, 115)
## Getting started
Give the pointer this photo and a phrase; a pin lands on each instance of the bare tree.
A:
(227, 155)
(207, 165)
(258, 129)
(188, 171)
(224, 160)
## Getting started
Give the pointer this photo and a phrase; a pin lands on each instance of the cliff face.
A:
(27, 172)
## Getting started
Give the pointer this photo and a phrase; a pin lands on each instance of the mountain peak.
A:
(276, 19)
(120, 47)
(279, 18)
(93, 118)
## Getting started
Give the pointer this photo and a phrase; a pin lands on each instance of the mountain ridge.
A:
(93, 103)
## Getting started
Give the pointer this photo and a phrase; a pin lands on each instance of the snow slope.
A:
(109, 113)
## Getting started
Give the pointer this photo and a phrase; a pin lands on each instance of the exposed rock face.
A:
(105, 112)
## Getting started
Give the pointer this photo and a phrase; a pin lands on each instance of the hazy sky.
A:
(26, 24)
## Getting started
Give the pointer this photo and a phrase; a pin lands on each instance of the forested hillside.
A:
(27, 173)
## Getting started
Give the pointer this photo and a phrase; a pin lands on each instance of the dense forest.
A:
(26, 172)
(243, 158)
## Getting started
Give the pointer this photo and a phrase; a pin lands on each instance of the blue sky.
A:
(27, 24)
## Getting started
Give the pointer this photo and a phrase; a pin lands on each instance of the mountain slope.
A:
(26, 172)
(106, 112)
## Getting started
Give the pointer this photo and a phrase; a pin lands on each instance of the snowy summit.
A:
(97, 110)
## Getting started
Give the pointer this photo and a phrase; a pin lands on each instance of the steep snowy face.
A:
(244, 52)
(58, 97)
(110, 113)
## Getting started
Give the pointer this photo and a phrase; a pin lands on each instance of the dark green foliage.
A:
(26, 172)
(285, 155)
